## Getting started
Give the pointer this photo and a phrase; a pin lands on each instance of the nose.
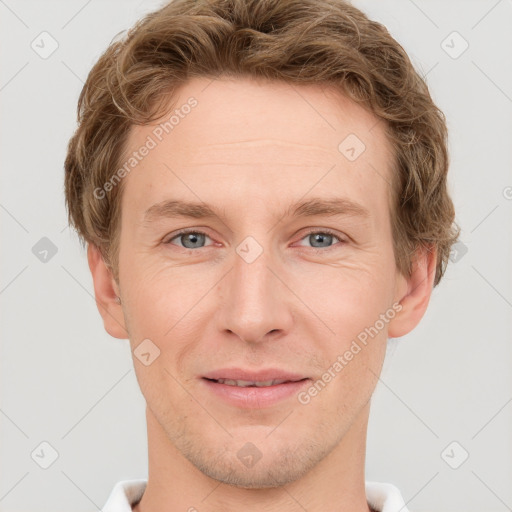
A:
(256, 304)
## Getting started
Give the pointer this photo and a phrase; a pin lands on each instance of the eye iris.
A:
(195, 238)
(321, 237)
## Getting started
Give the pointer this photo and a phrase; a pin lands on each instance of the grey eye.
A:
(321, 238)
(189, 240)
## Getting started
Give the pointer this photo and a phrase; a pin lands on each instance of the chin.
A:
(275, 468)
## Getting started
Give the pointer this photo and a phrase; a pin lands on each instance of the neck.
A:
(336, 483)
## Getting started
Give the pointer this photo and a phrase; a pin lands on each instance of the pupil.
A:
(193, 238)
(321, 238)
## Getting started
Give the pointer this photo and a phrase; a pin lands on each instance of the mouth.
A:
(253, 391)
(253, 384)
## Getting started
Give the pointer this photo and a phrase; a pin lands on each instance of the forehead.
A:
(269, 140)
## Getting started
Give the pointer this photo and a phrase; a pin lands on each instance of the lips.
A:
(244, 389)
(246, 378)
(249, 383)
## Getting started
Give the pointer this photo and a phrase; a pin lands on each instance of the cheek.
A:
(352, 303)
(350, 296)
(151, 286)
(164, 305)
(353, 355)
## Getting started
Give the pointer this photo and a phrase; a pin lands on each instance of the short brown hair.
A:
(326, 42)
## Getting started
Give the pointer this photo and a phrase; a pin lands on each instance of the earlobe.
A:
(106, 293)
(414, 293)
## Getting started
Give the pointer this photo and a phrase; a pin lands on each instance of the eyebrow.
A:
(312, 207)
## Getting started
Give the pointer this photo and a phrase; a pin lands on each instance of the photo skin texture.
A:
(252, 149)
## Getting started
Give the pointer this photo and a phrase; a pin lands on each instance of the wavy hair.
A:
(326, 42)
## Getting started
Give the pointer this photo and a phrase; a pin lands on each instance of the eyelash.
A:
(313, 231)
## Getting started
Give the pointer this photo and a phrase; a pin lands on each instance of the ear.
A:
(106, 291)
(413, 293)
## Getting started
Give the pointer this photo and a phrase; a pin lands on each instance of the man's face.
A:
(257, 286)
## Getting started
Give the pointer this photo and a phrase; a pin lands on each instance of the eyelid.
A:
(184, 232)
(325, 231)
(310, 231)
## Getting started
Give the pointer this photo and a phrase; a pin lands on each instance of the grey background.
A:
(65, 381)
